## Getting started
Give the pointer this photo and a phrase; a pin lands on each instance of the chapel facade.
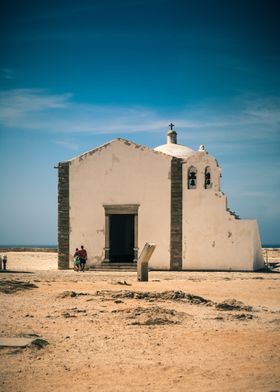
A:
(115, 198)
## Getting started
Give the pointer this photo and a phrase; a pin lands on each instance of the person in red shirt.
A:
(83, 258)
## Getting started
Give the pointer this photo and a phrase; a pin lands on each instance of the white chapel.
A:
(115, 198)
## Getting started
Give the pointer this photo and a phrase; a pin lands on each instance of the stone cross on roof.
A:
(171, 126)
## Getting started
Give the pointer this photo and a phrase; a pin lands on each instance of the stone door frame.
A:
(121, 209)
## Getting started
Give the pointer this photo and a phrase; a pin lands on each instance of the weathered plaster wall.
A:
(120, 173)
(212, 238)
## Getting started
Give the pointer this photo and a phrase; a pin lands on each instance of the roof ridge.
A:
(125, 141)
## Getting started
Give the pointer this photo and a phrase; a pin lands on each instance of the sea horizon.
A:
(55, 246)
(28, 246)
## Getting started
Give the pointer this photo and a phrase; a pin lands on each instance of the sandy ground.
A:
(108, 332)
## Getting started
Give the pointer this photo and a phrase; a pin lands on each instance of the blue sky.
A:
(74, 75)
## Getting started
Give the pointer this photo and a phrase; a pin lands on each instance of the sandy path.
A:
(109, 340)
(31, 261)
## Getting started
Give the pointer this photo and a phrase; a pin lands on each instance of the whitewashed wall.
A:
(120, 172)
(212, 238)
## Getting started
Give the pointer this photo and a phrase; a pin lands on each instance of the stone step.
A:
(115, 267)
(114, 270)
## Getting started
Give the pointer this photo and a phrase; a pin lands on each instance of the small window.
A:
(207, 178)
(192, 178)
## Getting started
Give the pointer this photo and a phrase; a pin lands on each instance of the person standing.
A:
(83, 258)
(77, 260)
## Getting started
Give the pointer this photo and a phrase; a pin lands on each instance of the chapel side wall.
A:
(213, 239)
(120, 173)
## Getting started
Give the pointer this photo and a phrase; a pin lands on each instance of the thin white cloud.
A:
(30, 100)
(37, 109)
(30, 108)
(8, 73)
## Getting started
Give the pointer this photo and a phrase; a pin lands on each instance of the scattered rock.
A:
(176, 295)
(233, 304)
(124, 283)
(40, 343)
(76, 310)
(71, 294)
(154, 315)
(12, 286)
(155, 321)
(275, 321)
(68, 315)
(166, 295)
(72, 312)
(242, 316)
(66, 294)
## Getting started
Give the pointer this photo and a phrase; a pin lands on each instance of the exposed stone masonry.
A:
(176, 215)
(63, 215)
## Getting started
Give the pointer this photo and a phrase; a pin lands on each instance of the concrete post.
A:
(5, 260)
(143, 261)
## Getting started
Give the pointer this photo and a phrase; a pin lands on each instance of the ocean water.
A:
(28, 246)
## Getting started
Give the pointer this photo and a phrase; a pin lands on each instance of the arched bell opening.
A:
(192, 178)
(207, 178)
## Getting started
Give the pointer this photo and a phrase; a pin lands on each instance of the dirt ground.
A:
(187, 331)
